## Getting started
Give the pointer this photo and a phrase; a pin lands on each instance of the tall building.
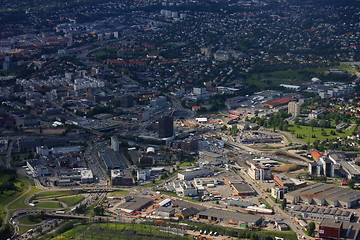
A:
(127, 101)
(294, 108)
(115, 144)
(166, 127)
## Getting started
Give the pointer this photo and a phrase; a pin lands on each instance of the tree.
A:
(351, 184)
(283, 204)
(311, 228)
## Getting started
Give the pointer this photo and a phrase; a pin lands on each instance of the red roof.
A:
(316, 154)
(277, 102)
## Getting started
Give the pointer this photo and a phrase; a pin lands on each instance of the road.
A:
(8, 154)
(279, 213)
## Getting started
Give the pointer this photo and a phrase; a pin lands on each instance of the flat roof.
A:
(229, 215)
(326, 222)
(135, 203)
(243, 188)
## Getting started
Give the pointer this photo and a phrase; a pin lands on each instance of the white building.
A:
(115, 144)
(86, 176)
(294, 108)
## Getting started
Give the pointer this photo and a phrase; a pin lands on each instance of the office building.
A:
(166, 127)
(294, 108)
(115, 144)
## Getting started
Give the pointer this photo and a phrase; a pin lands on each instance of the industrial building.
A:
(325, 194)
(133, 204)
(190, 175)
(335, 229)
(323, 167)
(314, 212)
(222, 216)
(351, 169)
(112, 159)
(36, 168)
(242, 189)
(121, 177)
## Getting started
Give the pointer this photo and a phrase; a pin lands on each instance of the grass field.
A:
(28, 219)
(307, 132)
(20, 202)
(185, 164)
(71, 201)
(54, 194)
(294, 77)
(117, 231)
(119, 192)
(24, 229)
(48, 205)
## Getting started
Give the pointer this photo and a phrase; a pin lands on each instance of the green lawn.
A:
(31, 219)
(20, 202)
(24, 229)
(48, 205)
(119, 192)
(117, 231)
(54, 194)
(8, 196)
(306, 133)
(185, 164)
(71, 201)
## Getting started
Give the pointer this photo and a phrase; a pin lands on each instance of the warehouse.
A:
(112, 159)
(230, 217)
(325, 194)
(135, 204)
(310, 212)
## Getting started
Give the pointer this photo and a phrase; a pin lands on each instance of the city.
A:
(149, 119)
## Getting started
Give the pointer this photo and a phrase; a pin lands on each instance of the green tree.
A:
(311, 228)
(283, 204)
(351, 184)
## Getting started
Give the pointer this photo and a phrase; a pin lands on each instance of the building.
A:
(294, 108)
(184, 188)
(121, 177)
(314, 212)
(36, 168)
(229, 217)
(126, 101)
(277, 102)
(259, 172)
(323, 167)
(166, 127)
(86, 176)
(133, 204)
(190, 175)
(278, 192)
(146, 161)
(284, 181)
(115, 144)
(210, 159)
(190, 145)
(165, 212)
(242, 189)
(112, 159)
(335, 229)
(325, 194)
(351, 169)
